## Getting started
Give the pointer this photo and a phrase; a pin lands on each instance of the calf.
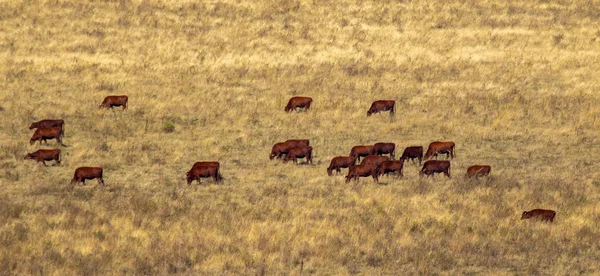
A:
(362, 171)
(203, 170)
(382, 105)
(302, 102)
(541, 214)
(384, 148)
(44, 155)
(412, 153)
(436, 166)
(83, 173)
(340, 162)
(391, 166)
(478, 170)
(299, 152)
(47, 124)
(374, 160)
(438, 147)
(43, 134)
(111, 101)
(359, 151)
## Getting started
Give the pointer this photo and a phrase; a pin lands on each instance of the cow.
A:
(412, 153)
(436, 166)
(438, 147)
(384, 148)
(48, 123)
(541, 214)
(282, 148)
(43, 134)
(298, 142)
(362, 171)
(374, 160)
(478, 170)
(44, 155)
(299, 152)
(382, 105)
(340, 162)
(111, 101)
(301, 102)
(359, 151)
(391, 166)
(83, 173)
(203, 170)
(206, 164)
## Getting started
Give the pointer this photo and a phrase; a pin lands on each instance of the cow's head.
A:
(32, 140)
(189, 178)
(526, 215)
(369, 112)
(33, 125)
(29, 156)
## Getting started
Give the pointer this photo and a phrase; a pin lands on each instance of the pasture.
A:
(515, 84)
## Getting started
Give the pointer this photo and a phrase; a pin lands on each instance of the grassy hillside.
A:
(514, 85)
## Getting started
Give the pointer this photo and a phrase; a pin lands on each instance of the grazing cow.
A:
(44, 155)
(203, 170)
(436, 166)
(340, 162)
(43, 134)
(302, 102)
(282, 148)
(541, 214)
(360, 151)
(111, 101)
(382, 105)
(478, 170)
(83, 173)
(391, 166)
(47, 124)
(384, 148)
(374, 160)
(438, 147)
(412, 153)
(207, 164)
(299, 152)
(362, 171)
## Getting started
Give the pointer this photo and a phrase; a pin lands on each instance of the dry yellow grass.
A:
(514, 83)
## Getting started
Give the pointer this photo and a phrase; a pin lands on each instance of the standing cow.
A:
(382, 105)
(360, 151)
(48, 123)
(299, 152)
(111, 101)
(43, 155)
(438, 147)
(203, 169)
(436, 166)
(43, 134)
(282, 148)
(541, 214)
(362, 171)
(413, 153)
(384, 148)
(389, 166)
(340, 162)
(301, 102)
(83, 173)
(478, 170)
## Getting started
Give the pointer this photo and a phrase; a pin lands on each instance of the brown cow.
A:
(302, 102)
(436, 166)
(83, 173)
(299, 152)
(384, 148)
(48, 123)
(203, 170)
(412, 153)
(382, 105)
(478, 170)
(391, 166)
(206, 164)
(374, 160)
(438, 147)
(541, 214)
(362, 171)
(282, 148)
(298, 142)
(360, 151)
(340, 162)
(44, 155)
(111, 101)
(43, 134)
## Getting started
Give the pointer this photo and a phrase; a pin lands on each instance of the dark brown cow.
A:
(43, 134)
(436, 166)
(374, 160)
(44, 155)
(282, 148)
(478, 170)
(362, 171)
(302, 102)
(47, 124)
(384, 148)
(299, 152)
(111, 101)
(340, 162)
(412, 153)
(83, 173)
(382, 105)
(208, 169)
(391, 166)
(360, 151)
(207, 164)
(438, 147)
(541, 214)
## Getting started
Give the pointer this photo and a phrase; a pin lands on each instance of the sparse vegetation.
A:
(514, 83)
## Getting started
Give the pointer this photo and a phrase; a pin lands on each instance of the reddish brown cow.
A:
(44, 155)
(360, 151)
(47, 124)
(298, 142)
(299, 152)
(340, 162)
(438, 147)
(362, 171)
(301, 102)
(111, 101)
(391, 166)
(203, 170)
(83, 173)
(282, 148)
(436, 166)
(478, 170)
(207, 164)
(541, 214)
(374, 160)
(384, 148)
(382, 105)
(43, 134)
(412, 153)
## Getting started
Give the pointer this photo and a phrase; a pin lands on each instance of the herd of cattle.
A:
(374, 164)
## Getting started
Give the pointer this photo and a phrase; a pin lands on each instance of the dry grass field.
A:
(516, 84)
